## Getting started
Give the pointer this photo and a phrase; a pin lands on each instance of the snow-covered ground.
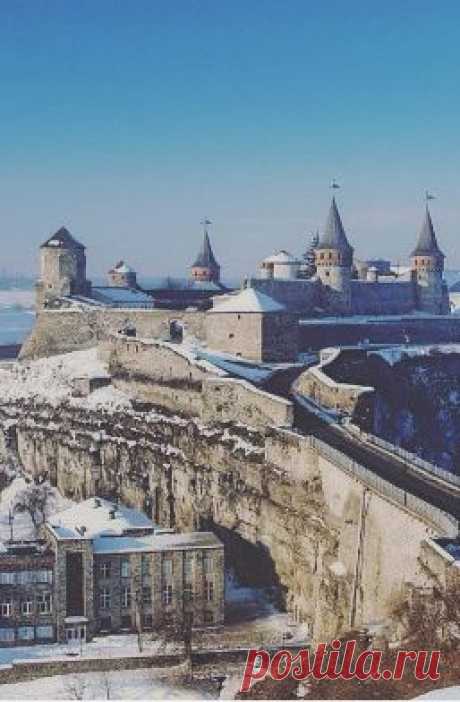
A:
(50, 380)
(116, 685)
(395, 354)
(113, 646)
(446, 693)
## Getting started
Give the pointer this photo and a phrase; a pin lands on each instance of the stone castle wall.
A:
(395, 297)
(62, 330)
(315, 384)
(160, 374)
(321, 333)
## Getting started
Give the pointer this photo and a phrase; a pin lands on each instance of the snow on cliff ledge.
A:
(51, 380)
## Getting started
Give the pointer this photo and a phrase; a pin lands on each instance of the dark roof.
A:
(64, 239)
(427, 244)
(334, 236)
(205, 258)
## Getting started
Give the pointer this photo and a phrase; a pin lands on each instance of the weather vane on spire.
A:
(205, 223)
(334, 185)
(429, 196)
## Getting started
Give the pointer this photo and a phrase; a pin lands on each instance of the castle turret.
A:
(205, 267)
(62, 268)
(122, 276)
(334, 261)
(427, 261)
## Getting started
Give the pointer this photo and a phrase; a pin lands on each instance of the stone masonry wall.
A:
(157, 373)
(316, 385)
(62, 330)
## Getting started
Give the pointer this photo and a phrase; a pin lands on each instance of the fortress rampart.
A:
(160, 373)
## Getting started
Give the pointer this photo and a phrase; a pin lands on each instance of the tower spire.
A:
(427, 243)
(334, 237)
(205, 267)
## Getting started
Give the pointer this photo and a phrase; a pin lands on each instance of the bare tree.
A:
(106, 685)
(34, 500)
(75, 687)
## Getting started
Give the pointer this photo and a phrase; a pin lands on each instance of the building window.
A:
(167, 594)
(6, 634)
(208, 563)
(27, 607)
(26, 633)
(147, 621)
(166, 568)
(6, 608)
(145, 566)
(7, 578)
(44, 603)
(125, 569)
(126, 597)
(43, 576)
(104, 570)
(209, 590)
(208, 617)
(45, 632)
(24, 577)
(188, 567)
(146, 595)
(104, 598)
(188, 592)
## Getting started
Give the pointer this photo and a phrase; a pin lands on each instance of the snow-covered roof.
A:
(122, 267)
(121, 297)
(156, 542)
(281, 257)
(248, 300)
(95, 517)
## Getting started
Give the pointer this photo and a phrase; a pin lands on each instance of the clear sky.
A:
(130, 121)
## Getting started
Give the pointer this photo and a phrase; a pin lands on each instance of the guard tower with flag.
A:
(334, 260)
(205, 267)
(427, 261)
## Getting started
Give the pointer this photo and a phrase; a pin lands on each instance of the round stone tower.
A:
(427, 261)
(62, 268)
(334, 261)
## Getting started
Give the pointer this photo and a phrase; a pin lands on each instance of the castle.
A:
(63, 280)
(342, 286)
(279, 312)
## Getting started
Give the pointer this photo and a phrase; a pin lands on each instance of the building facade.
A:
(103, 567)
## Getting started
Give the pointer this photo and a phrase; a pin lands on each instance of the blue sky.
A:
(130, 121)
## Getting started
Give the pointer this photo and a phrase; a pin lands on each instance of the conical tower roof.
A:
(206, 258)
(427, 244)
(63, 239)
(333, 236)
